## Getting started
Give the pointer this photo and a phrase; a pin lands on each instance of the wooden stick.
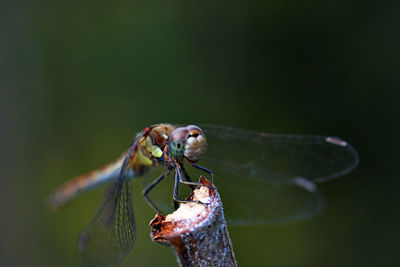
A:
(196, 232)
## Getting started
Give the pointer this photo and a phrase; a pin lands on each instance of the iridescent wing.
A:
(111, 234)
(267, 178)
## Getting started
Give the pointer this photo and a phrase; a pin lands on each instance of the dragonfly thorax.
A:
(187, 143)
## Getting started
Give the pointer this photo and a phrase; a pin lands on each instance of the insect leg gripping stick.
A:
(196, 232)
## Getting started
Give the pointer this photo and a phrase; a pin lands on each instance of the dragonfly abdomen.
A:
(85, 182)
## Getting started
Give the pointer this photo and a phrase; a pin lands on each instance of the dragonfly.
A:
(262, 179)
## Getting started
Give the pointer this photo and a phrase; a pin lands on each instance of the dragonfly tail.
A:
(83, 183)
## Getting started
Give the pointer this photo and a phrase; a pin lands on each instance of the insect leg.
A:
(206, 170)
(151, 186)
(182, 181)
(176, 184)
(179, 179)
(187, 177)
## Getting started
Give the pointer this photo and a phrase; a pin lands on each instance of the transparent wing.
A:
(265, 178)
(277, 158)
(249, 202)
(111, 234)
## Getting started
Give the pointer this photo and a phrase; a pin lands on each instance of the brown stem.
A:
(197, 232)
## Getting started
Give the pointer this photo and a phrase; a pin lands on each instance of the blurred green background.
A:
(77, 81)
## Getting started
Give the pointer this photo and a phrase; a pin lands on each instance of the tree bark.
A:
(197, 232)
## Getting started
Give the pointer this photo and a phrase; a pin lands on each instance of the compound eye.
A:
(195, 145)
(194, 130)
(187, 142)
(179, 134)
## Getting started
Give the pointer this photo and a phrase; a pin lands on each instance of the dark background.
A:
(77, 81)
